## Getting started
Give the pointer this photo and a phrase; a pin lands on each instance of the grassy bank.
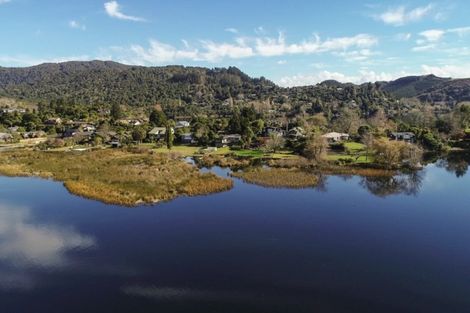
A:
(115, 176)
(278, 177)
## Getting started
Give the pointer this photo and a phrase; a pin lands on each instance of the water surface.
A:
(350, 245)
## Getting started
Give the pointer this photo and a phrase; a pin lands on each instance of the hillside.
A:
(110, 82)
(102, 82)
(412, 86)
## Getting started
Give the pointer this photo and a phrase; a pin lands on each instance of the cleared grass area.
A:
(354, 146)
(355, 153)
(185, 151)
(115, 176)
(353, 159)
(278, 177)
(257, 154)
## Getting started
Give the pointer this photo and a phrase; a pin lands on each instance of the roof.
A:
(158, 131)
(335, 135)
(403, 134)
(5, 136)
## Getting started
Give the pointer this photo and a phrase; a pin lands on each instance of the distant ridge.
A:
(110, 82)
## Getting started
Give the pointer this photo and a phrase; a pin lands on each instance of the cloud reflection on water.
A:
(26, 244)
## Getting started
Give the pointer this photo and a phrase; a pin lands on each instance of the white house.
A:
(336, 137)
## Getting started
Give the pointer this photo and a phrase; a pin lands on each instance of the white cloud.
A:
(365, 75)
(403, 37)
(26, 60)
(76, 25)
(461, 31)
(400, 16)
(362, 76)
(356, 55)
(424, 48)
(245, 47)
(4, 1)
(113, 9)
(281, 62)
(232, 30)
(454, 71)
(268, 46)
(430, 38)
(432, 35)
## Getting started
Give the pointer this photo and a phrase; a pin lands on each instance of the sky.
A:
(296, 42)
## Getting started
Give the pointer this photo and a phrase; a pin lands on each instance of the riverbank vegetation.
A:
(125, 177)
(278, 177)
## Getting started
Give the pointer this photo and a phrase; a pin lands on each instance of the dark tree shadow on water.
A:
(456, 163)
(407, 184)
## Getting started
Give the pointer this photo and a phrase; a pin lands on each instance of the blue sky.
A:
(293, 42)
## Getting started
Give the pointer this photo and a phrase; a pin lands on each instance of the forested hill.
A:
(430, 89)
(97, 82)
(111, 82)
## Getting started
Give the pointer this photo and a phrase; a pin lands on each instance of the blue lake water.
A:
(350, 245)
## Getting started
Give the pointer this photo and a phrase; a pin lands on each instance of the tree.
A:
(274, 143)
(138, 134)
(169, 135)
(368, 141)
(116, 112)
(316, 148)
(348, 121)
(157, 118)
(393, 153)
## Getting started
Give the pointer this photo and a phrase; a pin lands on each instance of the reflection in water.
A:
(408, 184)
(456, 163)
(185, 294)
(25, 244)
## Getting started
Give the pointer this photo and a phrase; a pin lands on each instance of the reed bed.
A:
(115, 176)
(278, 177)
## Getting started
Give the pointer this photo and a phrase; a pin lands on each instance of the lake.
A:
(349, 245)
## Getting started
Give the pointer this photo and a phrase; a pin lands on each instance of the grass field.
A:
(278, 177)
(354, 153)
(188, 151)
(115, 176)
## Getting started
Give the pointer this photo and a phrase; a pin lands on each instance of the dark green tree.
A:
(116, 112)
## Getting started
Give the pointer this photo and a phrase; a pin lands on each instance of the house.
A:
(115, 143)
(5, 137)
(187, 138)
(89, 128)
(274, 131)
(182, 124)
(34, 134)
(53, 121)
(296, 133)
(336, 137)
(13, 110)
(231, 139)
(130, 122)
(405, 136)
(158, 133)
(71, 132)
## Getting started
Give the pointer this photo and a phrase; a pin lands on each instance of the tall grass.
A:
(278, 177)
(115, 176)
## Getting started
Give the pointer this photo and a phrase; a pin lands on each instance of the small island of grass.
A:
(115, 176)
(278, 177)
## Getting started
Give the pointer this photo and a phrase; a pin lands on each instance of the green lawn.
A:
(188, 151)
(354, 151)
(467, 131)
(355, 159)
(354, 147)
(261, 154)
